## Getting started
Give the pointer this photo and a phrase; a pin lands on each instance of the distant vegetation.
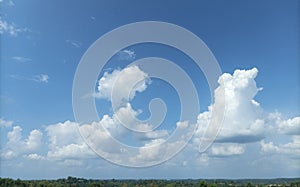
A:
(80, 182)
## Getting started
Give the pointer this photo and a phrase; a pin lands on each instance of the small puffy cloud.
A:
(222, 150)
(16, 145)
(158, 134)
(5, 123)
(34, 140)
(150, 152)
(43, 78)
(203, 159)
(66, 142)
(100, 139)
(289, 126)
(127, 116)
(291, 148)
(124, 83)
(21, 59)
(268, 147)
(106, 83)
(157, 150)
(75, 151)
(61, 134)
(73, 162)
(126, 55)
(31, 143)
(34, 156)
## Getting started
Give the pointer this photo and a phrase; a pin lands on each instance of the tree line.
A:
(81, 182)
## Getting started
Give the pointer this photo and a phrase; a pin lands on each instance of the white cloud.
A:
(66, 142)
(150, 152)
(21, 59)
(34, 156)
(72, 162)
(98, 138)
(43, 78)
(157, 134)
(5, 123)
(289, 126)
(268, 147)
(127, 116)
(78, 151)
(244, 123)
(61, 134)
(292, 148)
(163, 148)
(114, 128)
(221, 150)
(16, 145)
(287, 133)
(31, 143)
(153, 152)
(106, 83)
(34, 140)
(124, 83)
(243, 120)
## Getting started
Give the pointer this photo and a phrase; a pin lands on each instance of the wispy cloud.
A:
(18, 77)
(8, 2)
(21, 59)
(5, 123)
(11, 28)
(11, 3)
(5, 99)
(18, 145)
(127, 54)
(74, 43)
(41, 78)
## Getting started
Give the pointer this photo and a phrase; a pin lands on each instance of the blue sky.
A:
(42, 44)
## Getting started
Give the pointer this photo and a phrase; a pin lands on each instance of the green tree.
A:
(203, 183)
